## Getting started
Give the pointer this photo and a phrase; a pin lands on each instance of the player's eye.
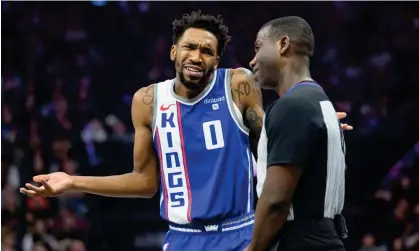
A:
(208, 52)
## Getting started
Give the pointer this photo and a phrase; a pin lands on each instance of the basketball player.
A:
(301, 164)
(195, 128)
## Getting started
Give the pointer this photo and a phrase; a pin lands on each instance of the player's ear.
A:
(283, 44)
(173, 52)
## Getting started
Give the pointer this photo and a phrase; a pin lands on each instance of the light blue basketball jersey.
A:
(205, 161)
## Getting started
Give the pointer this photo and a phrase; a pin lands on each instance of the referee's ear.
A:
(283, 44)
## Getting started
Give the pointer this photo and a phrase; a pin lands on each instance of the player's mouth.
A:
(194, 71)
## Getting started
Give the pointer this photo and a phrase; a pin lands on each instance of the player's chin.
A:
(193, 81)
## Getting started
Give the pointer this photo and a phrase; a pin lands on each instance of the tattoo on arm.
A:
(253, 121)
(247, 94)
(148, 98)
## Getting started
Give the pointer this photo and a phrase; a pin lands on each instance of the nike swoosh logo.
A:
(165, 108)
(166, 246)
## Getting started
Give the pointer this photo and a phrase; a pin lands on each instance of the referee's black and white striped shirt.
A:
(302, 129)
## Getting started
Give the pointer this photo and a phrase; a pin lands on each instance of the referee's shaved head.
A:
(297, 29)
(280, 43)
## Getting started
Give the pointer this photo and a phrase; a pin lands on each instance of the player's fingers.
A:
(346, 127)
(46, 185)
(341, 115)
(27, 192)
(38, 178)
(35, 188)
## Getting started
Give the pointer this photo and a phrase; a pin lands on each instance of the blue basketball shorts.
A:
(230, 235)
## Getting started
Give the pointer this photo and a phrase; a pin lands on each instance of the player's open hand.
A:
(50, 185)
(346, 127)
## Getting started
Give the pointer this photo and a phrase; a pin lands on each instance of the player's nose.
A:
(195, 57)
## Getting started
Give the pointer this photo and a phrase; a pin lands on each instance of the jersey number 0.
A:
(213, 134)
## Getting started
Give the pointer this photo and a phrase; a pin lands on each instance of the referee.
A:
(301, 154)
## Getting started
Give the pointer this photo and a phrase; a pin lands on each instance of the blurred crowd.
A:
(69, 70)
(392, 220)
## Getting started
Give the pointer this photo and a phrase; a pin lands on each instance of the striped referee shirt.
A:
(302, 129)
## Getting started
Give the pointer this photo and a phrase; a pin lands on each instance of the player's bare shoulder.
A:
(143, 104)
(244, 87)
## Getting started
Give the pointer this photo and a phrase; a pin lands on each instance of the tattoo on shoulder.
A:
(148, 98)
(242, 89)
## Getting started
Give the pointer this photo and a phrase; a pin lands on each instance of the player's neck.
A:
(184, 91)
(291, 75)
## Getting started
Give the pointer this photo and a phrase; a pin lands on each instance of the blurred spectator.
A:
(94, 132)
(38, 238)
(119, 132)
(368, 244)
(69, 226)
(39, 246)
(10, 174)
(11, 212)
(7, 240)
(403, 189)
(77, 245)
(398, 245)
(412, 241)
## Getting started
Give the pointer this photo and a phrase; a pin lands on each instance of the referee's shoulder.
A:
(293, 102)
(288, 107)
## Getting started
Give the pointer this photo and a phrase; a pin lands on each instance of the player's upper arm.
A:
(144, 155)
(291, 131)
(248, 97)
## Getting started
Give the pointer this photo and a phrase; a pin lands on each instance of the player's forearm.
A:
(269, 219)
(125, 185)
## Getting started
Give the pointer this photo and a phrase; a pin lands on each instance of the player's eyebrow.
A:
(195, 44)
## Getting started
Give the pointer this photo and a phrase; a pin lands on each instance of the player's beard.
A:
(194, 84)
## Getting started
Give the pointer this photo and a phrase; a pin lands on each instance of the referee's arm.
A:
(290, 135)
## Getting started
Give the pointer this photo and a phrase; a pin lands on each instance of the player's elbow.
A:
(145, 186)
(149, 191)
(279, 206)
(276, 202)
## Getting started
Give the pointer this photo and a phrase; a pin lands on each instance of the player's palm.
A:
(51, 185)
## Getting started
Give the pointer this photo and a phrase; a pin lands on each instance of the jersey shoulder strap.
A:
(161, 97)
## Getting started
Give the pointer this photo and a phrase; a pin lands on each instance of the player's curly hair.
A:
(202, 21)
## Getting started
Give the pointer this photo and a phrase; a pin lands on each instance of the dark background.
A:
(69, 71)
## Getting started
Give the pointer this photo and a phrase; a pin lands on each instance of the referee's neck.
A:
(291, 75)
